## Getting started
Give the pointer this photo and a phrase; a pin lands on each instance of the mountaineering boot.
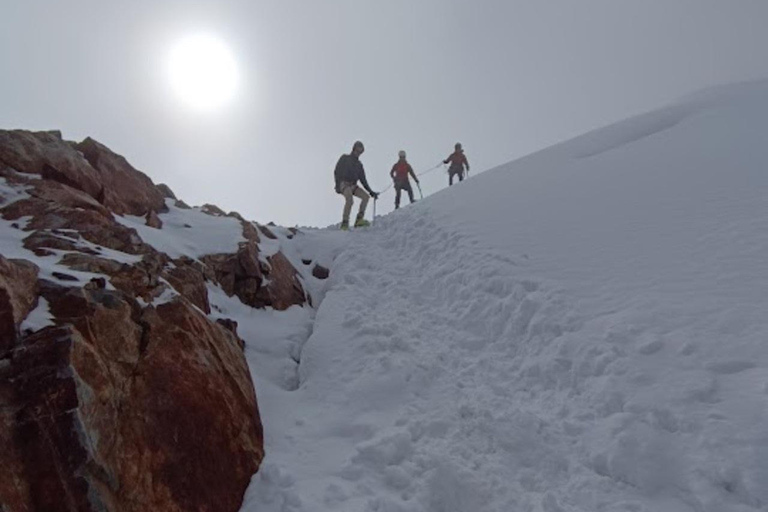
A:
(361, 222)
(345, 225)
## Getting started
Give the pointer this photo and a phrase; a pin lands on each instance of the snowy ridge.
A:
(188, 232)
(580, 330)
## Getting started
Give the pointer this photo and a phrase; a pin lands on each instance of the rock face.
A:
(132, 398)
(88, 166)
(18, 295)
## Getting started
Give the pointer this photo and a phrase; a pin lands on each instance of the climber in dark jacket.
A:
(349, 170)
(458, 161)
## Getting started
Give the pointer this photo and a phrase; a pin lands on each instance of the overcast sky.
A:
(503, 77)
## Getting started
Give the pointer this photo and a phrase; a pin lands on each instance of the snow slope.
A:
(584, 329)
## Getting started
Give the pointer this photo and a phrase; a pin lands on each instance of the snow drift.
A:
(580, 330)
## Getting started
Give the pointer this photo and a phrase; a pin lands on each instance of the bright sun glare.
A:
(203, 72)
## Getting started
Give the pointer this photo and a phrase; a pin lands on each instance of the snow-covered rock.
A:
(119, 389)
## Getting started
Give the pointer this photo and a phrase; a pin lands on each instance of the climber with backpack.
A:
(399, 174)
(349, 170)
(458, 161)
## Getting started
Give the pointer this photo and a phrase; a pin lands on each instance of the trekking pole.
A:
(374, 211)
(420, 192)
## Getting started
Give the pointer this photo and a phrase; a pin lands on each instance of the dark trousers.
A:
(399, 187)
(453, 171)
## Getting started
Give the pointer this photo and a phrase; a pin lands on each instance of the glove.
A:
(417, 180)
(338, 188)
(374, 195)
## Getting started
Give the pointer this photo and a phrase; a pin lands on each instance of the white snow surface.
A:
(584, 329)
(38, 318)
(188, 232)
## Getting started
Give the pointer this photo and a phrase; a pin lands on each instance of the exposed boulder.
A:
(189, 282)
(284, 289)
(238, 274)
(18, 296)
(46, 154)
(267, 232)
(166, 191)
(153, 220)
(320, 272)
(124, 189)
(212, 209)
(250, 232)
(88, 166)
(120, 409)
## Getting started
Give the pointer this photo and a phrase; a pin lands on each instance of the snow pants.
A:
(350, 191)
(399, 187)
(452, 171)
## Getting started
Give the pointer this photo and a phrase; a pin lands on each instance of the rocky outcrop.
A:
(88, 166)
(258, 284)
(133, 399)
(284, 289)
(123, 188)
(18, 296)
(320, 272)
(125, 409)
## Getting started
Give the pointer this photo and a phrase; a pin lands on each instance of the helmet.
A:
(401, 153)
(458, 145)
(358, 145)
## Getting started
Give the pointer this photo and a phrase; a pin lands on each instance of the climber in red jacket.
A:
(399, 174)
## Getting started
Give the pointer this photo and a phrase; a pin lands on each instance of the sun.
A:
(203, 72)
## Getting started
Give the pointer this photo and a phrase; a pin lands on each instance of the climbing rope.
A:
(418, 174)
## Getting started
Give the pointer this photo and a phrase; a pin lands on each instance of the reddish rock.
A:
(238, 274)
(88, 166)
(250, 232)
(181, 204)
(213, 210)
(124, 410)
(96, 283)
(236, 215)
(40, 241)
(190, 283)
(267, 232)
(93, 227)
(123, 188)
(91, 263)
(18, 296)
(320, 272)
(166, 191)
(231, 326)
(284, 289)
(46, 154)
(153, 220)
(138, 280)
(65, 196)
(127, 404)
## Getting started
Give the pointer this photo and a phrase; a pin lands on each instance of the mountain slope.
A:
(581, 330)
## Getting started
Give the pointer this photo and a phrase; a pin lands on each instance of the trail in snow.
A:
(582, 330)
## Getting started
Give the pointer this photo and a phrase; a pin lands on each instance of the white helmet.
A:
(401, 153)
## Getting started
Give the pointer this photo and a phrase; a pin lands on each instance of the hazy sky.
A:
(503, 77)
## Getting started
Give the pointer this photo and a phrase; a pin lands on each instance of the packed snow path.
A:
(582, 330)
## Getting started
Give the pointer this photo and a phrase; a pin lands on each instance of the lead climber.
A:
(349, 170)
